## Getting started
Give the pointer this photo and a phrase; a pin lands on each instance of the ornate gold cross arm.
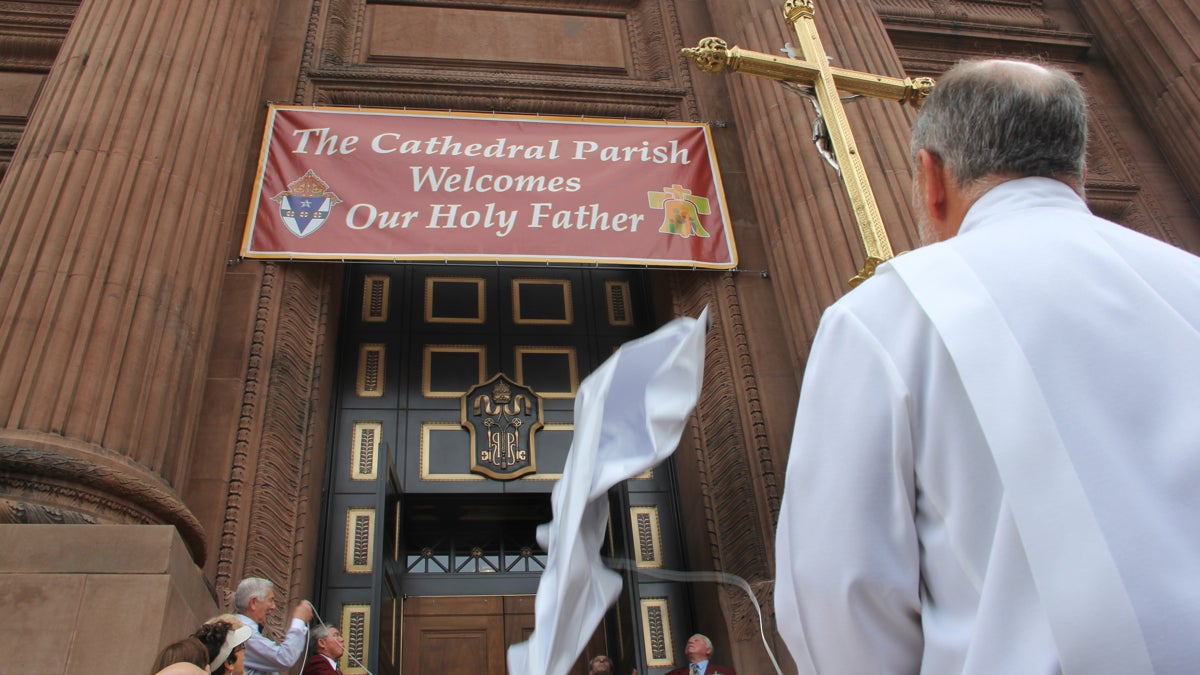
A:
(714, 54)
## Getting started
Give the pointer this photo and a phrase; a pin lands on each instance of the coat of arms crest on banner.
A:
(306, 203)
(502, 417)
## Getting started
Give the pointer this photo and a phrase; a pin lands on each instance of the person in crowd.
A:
(699, 651)
(254, 601)
(226, 642)
(327, 647)
(994, 463)
(183, 653)
(600, 664)
(182, 668)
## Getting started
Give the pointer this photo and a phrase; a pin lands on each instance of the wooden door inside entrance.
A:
(470, 635)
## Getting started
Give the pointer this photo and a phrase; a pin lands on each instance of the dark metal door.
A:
(404, 514)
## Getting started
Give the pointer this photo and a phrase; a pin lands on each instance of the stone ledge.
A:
(78, 588)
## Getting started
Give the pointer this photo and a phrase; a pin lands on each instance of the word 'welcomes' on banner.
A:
(354, 184)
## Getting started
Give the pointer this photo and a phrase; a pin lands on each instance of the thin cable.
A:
(698, 577)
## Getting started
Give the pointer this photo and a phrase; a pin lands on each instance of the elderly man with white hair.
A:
(254, 601)
(327, 647)
(699, 651)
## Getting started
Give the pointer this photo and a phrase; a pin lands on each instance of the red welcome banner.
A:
(351, 184)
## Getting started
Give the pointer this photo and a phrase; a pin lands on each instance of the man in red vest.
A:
(328, 646)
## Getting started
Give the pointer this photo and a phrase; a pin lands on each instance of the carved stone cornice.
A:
(31, 33)
(390, 78)
(1011, 14)
(46, 15)
(23, 53)
(517, 102)
(423, 89)
(25, 513)
(53, 473)
(931, 35)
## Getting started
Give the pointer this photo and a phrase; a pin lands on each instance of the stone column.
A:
(801, 204)
(1153, 47)
(116, 218)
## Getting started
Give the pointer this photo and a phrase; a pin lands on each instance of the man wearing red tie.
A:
(329, 647)
(699, 649)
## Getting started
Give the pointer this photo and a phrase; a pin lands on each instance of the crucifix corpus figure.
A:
(815, 78)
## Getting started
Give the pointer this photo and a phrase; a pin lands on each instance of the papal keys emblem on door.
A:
(502, 417)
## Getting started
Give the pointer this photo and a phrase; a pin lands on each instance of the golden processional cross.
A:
(813, 70)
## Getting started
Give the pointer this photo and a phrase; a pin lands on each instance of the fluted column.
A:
(1153, 47)
(115, 219)
(800, 203)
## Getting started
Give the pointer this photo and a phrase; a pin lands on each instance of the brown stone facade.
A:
(148, 377)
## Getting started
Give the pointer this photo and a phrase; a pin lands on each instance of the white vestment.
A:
(897, 550)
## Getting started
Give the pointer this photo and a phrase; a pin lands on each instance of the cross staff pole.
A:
(714, 54)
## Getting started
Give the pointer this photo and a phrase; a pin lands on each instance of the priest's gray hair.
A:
(250, 587)
(1005, 118)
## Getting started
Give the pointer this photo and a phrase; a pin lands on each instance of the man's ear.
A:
(933, 183)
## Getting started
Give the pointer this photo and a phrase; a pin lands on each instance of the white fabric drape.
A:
(629, 415)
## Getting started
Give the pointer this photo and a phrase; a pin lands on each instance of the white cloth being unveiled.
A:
(629, 416)
(898, 548)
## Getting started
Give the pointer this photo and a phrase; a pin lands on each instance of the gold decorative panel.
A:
(396, 534)
(619, 302)
(648, 547)
(375, 298)
(360, 544)
(455, 300)
(551, 371)
(648, 474)
(364, 450)
(396, 621)
(656, 632)
(446, 367)
(356, 629)
(551, 427)
(370, 379)
(542, 302)
(428, 429)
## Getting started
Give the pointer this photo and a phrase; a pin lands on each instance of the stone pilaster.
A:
(1153, 48)
(115, 218)
(806, 224)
